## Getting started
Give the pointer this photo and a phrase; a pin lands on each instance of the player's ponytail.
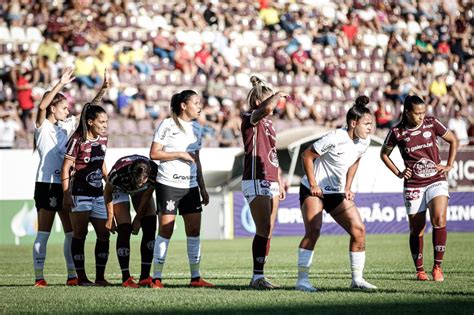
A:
(359, 109)
(176, 100)
(258, 92)
(410, 101)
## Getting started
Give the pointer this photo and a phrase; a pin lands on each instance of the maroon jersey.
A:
(88, 157)
(260, 160)
(121, 178)
(419, 150)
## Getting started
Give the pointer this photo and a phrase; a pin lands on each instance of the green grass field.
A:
(228, 265)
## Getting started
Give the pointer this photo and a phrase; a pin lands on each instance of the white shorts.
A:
(94, 204)
(120, 197)
(259, 187)
(417, 199)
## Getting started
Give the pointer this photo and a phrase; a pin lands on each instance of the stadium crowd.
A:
(322, 53)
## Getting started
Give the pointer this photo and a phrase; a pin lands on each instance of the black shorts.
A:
(170, 199)
(48, 196)
(330, 201)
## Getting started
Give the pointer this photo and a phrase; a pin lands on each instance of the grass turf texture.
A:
(228, 265)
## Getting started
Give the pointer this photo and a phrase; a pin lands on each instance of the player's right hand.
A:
(316, 191)
(110, 225)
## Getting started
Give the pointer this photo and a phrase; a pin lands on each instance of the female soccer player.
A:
(176, 144)
(133, 176)
(81, 176)
(425, 184)
(330, 165)
(51, 134)
(261, 183)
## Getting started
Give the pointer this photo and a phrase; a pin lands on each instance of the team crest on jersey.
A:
(273, 157)
(95, 178)
(425, 168)
(427, 134)
(170, 205)
(53, 202)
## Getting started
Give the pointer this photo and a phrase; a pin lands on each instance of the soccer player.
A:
(176, 144)
(132, 176)
(330, 165)
(52, 130)
(261, 183)
(81, 176)
(425, 185)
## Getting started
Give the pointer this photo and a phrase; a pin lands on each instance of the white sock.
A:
(71, 270)
(257, 276)
(305, 259)
(357, 264)
(39, 253)
(159, 255)
(194, 255)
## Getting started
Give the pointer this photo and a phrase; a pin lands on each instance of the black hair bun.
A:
(361, 101)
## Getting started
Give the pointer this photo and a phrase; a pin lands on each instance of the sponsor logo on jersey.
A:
(88, 150)
(329, 188)
(103, 147)
(425, 168)
(183, 177)
(94, 144)
(418, 147)
(97, 158)
(415, 133)
(428, 126)
(273, 157)
(407, 139)
(427, 134)
(87, 159)
(95, 178)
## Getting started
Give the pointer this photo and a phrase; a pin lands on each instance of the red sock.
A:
(260, 248)
(416, 248)
(439, 244)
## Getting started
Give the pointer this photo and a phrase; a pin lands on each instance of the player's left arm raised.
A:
(200, 180)
(349, 178)
(450, 138)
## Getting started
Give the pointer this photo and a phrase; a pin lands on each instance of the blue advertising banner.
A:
(381, 213)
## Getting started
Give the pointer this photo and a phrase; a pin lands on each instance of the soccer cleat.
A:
(362, 285)
(422, 276)
(102, 283)
(437, 274)
(85, 283)
(201, 283)
(41, 283)
(262, 284)
(129, 283)
(72, 282)
(156, 284)
(145, 282)
(305, 285)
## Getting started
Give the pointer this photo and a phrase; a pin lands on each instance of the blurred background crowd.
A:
(323, 53)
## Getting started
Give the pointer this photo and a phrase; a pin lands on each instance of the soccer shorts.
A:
(48, 196)
(330, 201)
(259, 187)
(171, 199)
(417, 199)
(87, 203)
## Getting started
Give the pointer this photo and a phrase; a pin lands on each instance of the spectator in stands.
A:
(10, 126)
(459, 125)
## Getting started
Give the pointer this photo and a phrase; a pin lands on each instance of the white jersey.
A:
(178, 173)
(337, 153)
(51, 140)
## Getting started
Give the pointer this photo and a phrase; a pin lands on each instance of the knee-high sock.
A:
(159, 256)
(71, 270)
(77, 251)
(39, 253)
(101, 257)
(357, 265)
(260, 249)
(416, 249)
(305, 259)
(439, 244)
(124, 231)
(194, 256)
(147, 245)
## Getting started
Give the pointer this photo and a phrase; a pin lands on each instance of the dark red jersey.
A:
(88, 157)
(419, 150)
(120, 176)
(260, 160)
